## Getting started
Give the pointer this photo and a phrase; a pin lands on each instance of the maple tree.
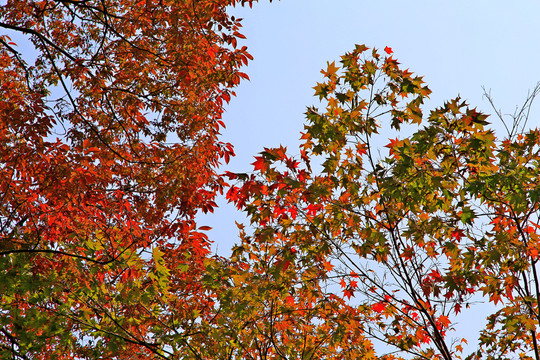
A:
(396, 236)
(109, 126)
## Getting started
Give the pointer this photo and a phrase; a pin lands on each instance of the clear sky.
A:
(458, 46)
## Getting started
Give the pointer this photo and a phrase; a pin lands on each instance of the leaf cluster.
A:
(409, 237)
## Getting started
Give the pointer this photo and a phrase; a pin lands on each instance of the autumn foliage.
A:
(110, 113)
(371, 243)
(397, 236)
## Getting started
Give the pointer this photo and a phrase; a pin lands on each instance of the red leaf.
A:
(286, 264)
(259, 164)
(388, 50)
(457, 234)
(444, 321)
(348, 293)
(289, 300)
(379, 307)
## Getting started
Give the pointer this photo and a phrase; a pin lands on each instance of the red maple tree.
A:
(109, 143)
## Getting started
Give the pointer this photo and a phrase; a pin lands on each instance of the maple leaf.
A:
(388, 50)
(408, 253)
(312, 209)
(348, 293)
(457, 234)
(331, 69)
(444, 321)
(379, 307)
(259, 164)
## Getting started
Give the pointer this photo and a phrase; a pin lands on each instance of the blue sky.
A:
(458, 46)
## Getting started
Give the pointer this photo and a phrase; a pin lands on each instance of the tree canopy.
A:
(109, 125)
(395, 235)
(382, 230)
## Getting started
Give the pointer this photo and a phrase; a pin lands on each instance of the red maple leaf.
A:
(259, 164)
(379, 307)
(457, 234)
(348, 293)
(388, 50)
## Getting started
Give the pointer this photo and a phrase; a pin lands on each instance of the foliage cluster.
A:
(448, 214)
(109, 147)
